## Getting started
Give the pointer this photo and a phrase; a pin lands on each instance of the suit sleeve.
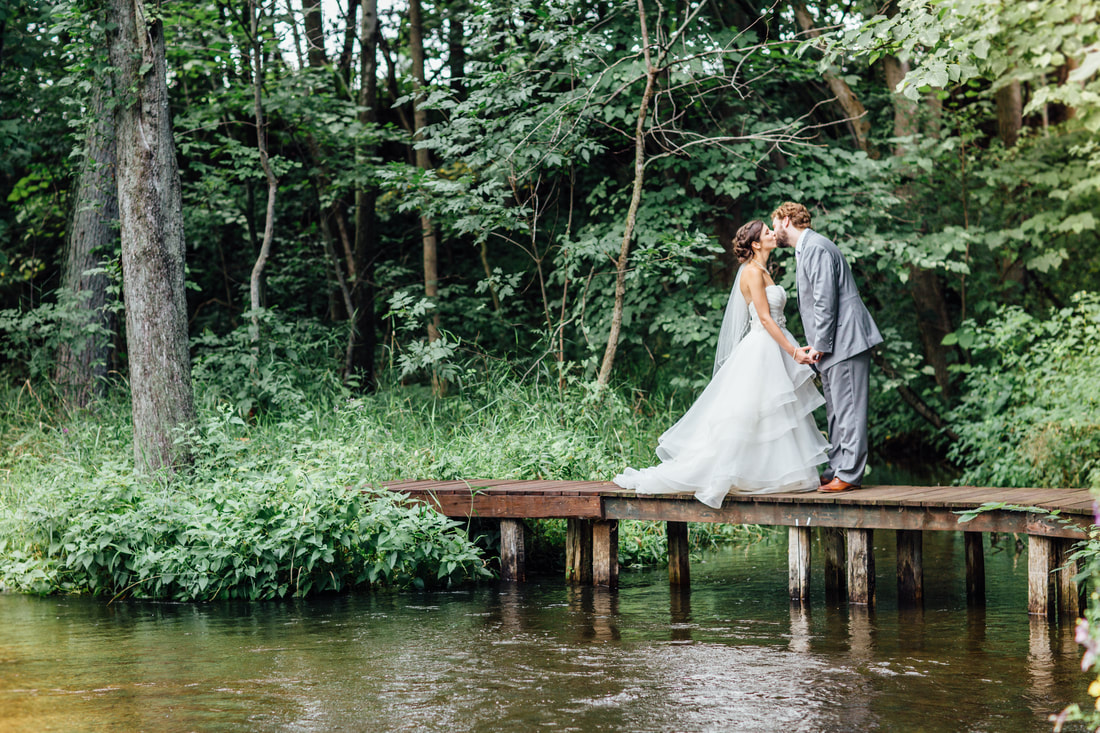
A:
(820, 269)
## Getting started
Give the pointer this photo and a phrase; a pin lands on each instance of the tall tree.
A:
(257, 57)
(853, 108)
(424, 163)
(82, 361)
(151, 227)
(364, 339)
(651, 71)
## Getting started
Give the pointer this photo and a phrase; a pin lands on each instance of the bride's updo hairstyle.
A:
(742, 241)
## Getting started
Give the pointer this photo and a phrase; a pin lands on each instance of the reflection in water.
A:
(731, 653)
(800, 629)
(679, 612)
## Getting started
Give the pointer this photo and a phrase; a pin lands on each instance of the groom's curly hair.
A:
(800, 216)
(746, 235)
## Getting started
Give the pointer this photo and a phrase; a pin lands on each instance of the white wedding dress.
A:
(752, 430)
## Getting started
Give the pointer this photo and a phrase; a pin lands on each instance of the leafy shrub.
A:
(1030, 414)
(253, 520)
(265, 510)
(29, 339)
(289, 370)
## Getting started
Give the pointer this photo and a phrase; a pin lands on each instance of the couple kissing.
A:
(752, 430)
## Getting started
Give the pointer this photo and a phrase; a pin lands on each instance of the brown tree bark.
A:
(82, 362)
(1010, 112)
(364, 338)
(925, 286)
(604, 376)
(423, 162)
(151, 228)
(254, 283)
(854, 110)
(456, 47)
(313, 21)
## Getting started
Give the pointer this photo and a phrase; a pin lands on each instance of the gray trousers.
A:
(845, 385)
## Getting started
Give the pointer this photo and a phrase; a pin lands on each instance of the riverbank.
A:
(265, 510)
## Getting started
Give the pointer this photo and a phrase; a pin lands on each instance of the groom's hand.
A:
(814, 355)
(802, 355)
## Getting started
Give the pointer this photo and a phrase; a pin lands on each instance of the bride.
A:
(752, 430)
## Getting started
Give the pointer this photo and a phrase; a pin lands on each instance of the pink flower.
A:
(1085, 639)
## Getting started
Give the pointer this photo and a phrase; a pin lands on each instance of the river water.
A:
(730, 655)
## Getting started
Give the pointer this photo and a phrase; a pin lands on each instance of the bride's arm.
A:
(754, 278)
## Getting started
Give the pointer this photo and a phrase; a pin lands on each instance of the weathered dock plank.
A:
(848, 521)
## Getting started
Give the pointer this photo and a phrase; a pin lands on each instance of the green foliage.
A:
(956, 40)
(270, 507)
(643, 544)
(30, 338)
(263, 513)
(288, 369)
(1030, 414)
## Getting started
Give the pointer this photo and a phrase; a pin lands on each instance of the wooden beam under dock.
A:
(593, 509)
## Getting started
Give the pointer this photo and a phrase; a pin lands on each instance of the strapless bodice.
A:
(777, 301)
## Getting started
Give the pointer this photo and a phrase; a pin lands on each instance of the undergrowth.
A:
(277, 501)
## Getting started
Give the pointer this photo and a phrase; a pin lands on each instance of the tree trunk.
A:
(845, 97)
(1010, 113)
(82, 361)
(151, 224)
(456, 48)
(632, 212)
(254, 283)
(905, 111)
(313, 20)
(925, 288)
(933, 322)
(364, 338)
(423, 162)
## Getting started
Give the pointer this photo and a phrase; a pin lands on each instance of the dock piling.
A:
(605, 552)
(1041, 562)
(910, 543)
(975, 568)
(578, 551)
(861, 567)
(512, 559)
(836, 553)
(798, 561)
(679, 561)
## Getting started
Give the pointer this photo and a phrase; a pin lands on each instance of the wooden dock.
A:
(847, 522)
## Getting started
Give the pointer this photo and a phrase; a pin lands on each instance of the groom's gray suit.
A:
(840, 326)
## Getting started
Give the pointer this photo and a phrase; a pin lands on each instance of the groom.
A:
(840, 333)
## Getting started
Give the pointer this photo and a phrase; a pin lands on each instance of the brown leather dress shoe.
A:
(821, 480)
(836, 486)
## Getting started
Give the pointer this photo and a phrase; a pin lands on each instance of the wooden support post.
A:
(798, 563)
(512, 561)
(679, 562)
(605, 552)
(861, 567)
(1069, 599)
(910, 567)
(1041, 561)
(975, 568)
(832, 538)
(578, 551)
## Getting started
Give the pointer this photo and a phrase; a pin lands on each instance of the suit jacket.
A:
(834, 318)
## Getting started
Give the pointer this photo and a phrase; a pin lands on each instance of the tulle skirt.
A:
(751, 431)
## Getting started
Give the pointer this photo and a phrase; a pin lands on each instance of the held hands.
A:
(806, 355)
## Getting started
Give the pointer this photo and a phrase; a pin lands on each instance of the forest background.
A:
(252, 254)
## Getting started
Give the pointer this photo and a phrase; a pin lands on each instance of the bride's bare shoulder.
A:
(751, 279)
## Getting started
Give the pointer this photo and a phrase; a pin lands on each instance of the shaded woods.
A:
(549, 188)
(307, 245)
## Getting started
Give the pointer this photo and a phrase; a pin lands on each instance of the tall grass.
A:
(273, 503)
